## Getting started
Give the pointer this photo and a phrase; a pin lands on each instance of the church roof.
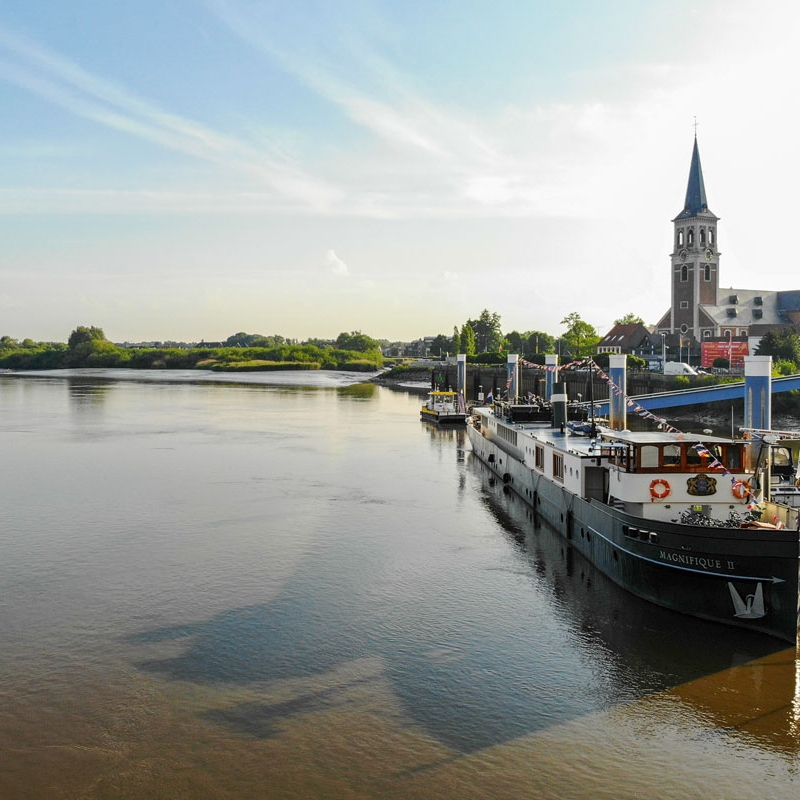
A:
(748, 307)
(696, 202)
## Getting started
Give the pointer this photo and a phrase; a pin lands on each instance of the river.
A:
(285, 585)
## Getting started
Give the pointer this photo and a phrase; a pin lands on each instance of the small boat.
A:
(444, 408)
(787, 495)
(684, 521)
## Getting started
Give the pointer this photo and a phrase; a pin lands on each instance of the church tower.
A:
(695, 261)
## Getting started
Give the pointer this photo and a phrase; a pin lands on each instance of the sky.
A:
(187, 169)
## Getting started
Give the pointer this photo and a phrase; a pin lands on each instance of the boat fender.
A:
(659, 489)
(741, 489)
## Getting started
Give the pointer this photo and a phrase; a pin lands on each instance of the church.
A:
(705, 320)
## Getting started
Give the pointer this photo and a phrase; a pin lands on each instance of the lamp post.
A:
(663, 350)
(730, 348)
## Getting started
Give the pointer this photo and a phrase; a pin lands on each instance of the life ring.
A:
(659, 489)
(741, 489)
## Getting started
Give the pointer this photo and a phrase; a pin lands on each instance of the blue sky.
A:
(188, 169)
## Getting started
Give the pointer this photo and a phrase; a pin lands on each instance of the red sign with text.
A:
(733, 351)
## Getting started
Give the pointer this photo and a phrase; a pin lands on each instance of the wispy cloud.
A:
(60, 81)
(335, 265)
(409, 156)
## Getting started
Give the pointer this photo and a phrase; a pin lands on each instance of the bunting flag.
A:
(662, 424)
(701, 449)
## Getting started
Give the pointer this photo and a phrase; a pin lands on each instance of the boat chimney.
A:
(558, 401)
(512, 377)
(617, 406)
(551, 369)
(758, 392)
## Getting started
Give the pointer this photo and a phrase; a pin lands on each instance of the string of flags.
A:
(714, 463)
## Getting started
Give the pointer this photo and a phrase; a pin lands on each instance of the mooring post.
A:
(758, 392)
(617, 393)
(551, 374)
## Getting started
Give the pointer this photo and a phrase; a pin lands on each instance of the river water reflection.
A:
(289, 586)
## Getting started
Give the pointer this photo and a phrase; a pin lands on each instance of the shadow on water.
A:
(475, 671)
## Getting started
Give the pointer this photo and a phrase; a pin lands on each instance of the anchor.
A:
(752, 607)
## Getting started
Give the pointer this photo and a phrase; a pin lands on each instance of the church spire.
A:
(695, 191)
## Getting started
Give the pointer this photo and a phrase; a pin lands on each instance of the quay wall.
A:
(533, 380)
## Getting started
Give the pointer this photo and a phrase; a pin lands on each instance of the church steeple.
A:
(694, 262)
(695, 190)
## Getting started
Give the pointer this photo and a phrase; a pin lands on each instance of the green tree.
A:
(629, 319)
(537, 342)
(488, 336)
(580, 338)
(784, 368)
(82, 334)
(8, 343)
(782, 345)
(456, 344)
(441, 345)
(243, 339)
(635, 363)
(357, 341)
(468, 339)
(514, 343)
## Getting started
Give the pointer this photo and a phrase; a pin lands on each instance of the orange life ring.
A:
(659, 489)
(741, 489)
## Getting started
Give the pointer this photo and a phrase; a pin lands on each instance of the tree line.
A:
(484, 336)
(87, 346)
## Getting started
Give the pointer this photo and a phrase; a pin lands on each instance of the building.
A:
(630, 339)
(701, 311)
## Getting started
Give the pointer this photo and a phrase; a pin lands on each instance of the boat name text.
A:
(696, 561)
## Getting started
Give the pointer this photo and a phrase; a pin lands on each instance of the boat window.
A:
(672, 455)
(648, 456)
(693, 458)
(733, 457)
(558, 466)
(539, 457)
(622, 455)
(781, 457)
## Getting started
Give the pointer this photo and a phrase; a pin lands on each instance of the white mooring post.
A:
(758, 392)
(551, 376)
(617, 407)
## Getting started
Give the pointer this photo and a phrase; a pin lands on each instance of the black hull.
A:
(744, 578)
(443, 419)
